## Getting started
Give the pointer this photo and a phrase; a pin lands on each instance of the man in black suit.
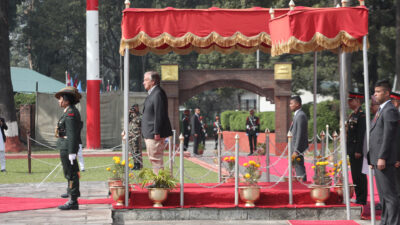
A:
(383, 153)
(186, 128)
(299, 129)
(3, 126)
(155, 122)
(196, 130)
(355, 138)
(396, 103)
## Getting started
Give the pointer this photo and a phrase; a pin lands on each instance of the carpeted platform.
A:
(223, 197)
(324, 222)
(9, 204)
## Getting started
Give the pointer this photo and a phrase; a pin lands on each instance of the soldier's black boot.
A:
(70, 205)
(65, 195)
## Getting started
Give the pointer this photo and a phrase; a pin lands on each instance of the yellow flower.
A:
(335, 165)
(340, 162)
(117, 161)
(232, 158)
(318, 163)
(131, 175)
(245, 164)
(123, 163)
(313, 167)
(226, 158)
(247, 175)
(114, 171)
(298, 159)
(130, 165)
(108, 168)
(251, 162)
(257, 165)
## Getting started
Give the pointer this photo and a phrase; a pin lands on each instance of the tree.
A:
(7, 107)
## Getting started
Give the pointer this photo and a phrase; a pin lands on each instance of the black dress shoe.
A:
(3, 170)
(70, 205)
(250, 154)
(65, 195)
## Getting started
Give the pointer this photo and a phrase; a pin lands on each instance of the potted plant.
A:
(116, 179)
(337, 177)
(229, 163)
(251, 192)
(320, 190)
(200, 149)
(161, 184)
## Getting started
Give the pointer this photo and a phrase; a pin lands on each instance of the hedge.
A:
(236, 120)
(327, 114)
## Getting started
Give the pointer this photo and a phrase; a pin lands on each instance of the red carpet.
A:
(324, 222)
(9, 204)
(223, 197)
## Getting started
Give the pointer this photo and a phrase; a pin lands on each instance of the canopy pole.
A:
(343, 142)
(315, 108)
(126, 119)
(368, 122)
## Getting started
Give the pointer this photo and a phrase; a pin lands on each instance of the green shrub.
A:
(225, 119)
(327, 113)
(237, 121)
(267, 120)
(24, 99)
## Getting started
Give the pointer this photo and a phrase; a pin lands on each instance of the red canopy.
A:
(313, 29)
(202, 30)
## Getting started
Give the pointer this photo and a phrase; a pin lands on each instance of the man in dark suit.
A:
(383, 153)
(252, 130)
(196, 130)
(299, 129)
(355, 138)
(3, 126)
(395, 97)
(155, 121)
(186, 128)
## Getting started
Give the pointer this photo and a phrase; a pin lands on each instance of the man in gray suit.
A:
(299, 129)
(383, 153)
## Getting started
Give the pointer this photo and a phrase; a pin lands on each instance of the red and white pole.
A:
(92, 75)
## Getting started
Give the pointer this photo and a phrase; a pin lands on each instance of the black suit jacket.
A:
(299, 129)
(3, 127)
(382, 142)
(196, 125)
(155, 118)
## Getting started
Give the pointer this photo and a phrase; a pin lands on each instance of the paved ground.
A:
(92, 214)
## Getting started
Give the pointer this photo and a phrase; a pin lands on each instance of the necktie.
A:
(377, 115)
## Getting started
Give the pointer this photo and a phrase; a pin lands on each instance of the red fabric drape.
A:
(202, 30)
(307, 29)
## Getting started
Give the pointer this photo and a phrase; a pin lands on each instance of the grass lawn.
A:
(17, 170)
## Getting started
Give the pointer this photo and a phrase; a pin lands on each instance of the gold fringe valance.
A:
(190, 42)
(319, 42)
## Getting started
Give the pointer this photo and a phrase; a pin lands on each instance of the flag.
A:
(79, 86)
(72, 81)
(68, 79)
(76, 81)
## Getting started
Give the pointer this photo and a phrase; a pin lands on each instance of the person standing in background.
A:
(3, 126)
(355, 136)
(196, 130)
(217, 128)
(252, 129)
(186, 129)
(135, 137)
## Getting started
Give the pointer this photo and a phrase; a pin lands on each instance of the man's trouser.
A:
(3, 159)
(155, 150)
(252, 142)
(71, 174)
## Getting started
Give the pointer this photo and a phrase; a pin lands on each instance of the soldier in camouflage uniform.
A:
(135, 136)
(68, 132)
